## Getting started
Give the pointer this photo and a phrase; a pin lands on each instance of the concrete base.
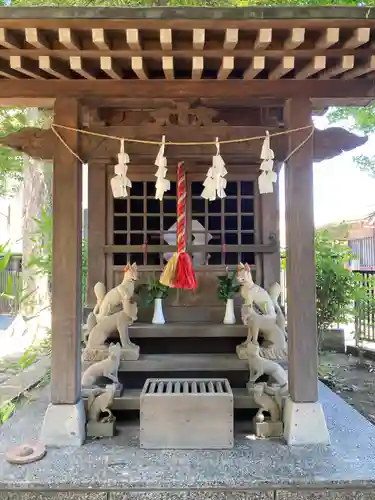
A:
(269, 429)
(64, 425)
(305, 424)
(101, 429)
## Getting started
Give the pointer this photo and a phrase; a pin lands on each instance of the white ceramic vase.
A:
(158, 318)
(229, 318)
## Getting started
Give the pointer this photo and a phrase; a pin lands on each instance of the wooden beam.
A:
(39, 144)
(79, 66)
(69, 39)
(197, 68)
(138, 68)
(199, 35)
(97, 183)
(110, 68)
(167, 64)
(166, 39)
(99, 38)
(54, 68)
(8, 40)
(231, 38)
(263, 39)
(295, 38)
(34, 37)
(258, 64)
(132, 39)
(329, 38)
(313, 67)
(66, 261)
(226, 68)
(299, 217)
(360, 70)
(346, 91)
(285, 66)
(359, 37)
(346, 64)
(269, 204)
(25, 66)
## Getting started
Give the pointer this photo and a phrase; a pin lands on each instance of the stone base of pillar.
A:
(305, 424)
(64, 425)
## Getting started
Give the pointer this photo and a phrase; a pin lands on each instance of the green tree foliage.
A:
(337, 288)
(11, 165)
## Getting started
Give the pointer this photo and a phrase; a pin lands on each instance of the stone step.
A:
(186, 330)
(182, 362)
(129, 399)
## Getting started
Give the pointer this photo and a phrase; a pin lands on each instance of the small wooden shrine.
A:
(191, 75)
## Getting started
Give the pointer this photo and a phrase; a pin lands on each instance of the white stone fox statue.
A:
(253, 293)
(108, 302)
(106, 368)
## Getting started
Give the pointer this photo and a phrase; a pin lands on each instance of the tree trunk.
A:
(36, 199)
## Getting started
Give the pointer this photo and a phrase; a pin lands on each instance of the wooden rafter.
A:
(138, 68)
(285, 66)
(78, 65)
(295, 39)
(257, 65)
(318, 64)
(109, 66)
(54, 68)
(346, 64)
(197, 68)
(263, 51)
(34, 37)
(25, 66)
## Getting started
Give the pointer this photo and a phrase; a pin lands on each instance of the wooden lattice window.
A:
(227, 223)
(140, 222)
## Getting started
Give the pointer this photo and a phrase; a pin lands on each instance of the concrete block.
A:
(186, 414)
(64, 425)
(52, 495)
(101, 429)
(305, 424)
(269, 429)
(333, 340)
(193, 495)
(334, 494)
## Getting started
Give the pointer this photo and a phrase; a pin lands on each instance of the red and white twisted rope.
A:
(181, 208)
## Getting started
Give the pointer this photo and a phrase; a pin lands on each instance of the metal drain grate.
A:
(186, 386)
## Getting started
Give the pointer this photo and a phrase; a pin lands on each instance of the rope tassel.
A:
(179, 271)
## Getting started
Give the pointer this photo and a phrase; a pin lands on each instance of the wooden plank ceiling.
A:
(31, 50)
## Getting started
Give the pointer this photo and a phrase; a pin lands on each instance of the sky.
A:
(341, 190)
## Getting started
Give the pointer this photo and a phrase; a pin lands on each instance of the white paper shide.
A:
(162, 184)
(267, 177)
(215, 182)
(120, 182)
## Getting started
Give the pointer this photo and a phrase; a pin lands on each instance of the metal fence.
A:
(9, 285)
(365, 309)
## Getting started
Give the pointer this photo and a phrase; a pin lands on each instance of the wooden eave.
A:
(324, 53)
(40, 143)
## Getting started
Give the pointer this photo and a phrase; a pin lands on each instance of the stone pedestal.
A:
(305, 424)
(64, 425)
(101, 429)
(269, 429)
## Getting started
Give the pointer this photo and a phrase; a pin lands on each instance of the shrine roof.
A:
(325, 53)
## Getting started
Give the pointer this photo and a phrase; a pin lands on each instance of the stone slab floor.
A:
(116, 469)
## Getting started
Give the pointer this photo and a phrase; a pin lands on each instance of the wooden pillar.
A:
(270, 229)
(67, 258)
(299, 216)
(97, 208)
